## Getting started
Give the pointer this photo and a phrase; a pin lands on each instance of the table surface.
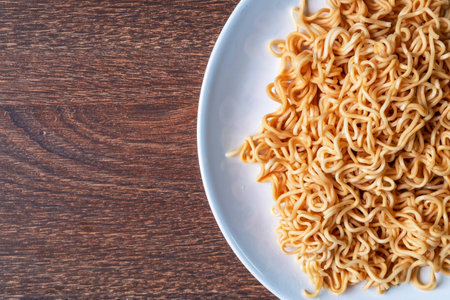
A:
(99, 180)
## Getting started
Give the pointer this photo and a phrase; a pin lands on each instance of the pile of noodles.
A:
(358, 151)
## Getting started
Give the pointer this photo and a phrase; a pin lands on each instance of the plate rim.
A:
(211, 69)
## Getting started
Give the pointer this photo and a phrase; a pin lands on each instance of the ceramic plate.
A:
(232, 102)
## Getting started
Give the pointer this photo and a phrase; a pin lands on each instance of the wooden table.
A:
(100, 186)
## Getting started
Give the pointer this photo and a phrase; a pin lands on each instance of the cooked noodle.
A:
(358, 151)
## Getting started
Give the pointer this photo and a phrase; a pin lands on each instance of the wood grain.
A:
(100, 191)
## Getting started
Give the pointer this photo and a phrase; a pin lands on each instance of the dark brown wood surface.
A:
(100, 190)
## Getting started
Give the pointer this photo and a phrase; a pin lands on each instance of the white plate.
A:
(232, 104)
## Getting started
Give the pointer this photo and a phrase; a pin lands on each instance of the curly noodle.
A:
(358, 151)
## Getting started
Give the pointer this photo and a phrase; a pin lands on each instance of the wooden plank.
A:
(100, 191)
